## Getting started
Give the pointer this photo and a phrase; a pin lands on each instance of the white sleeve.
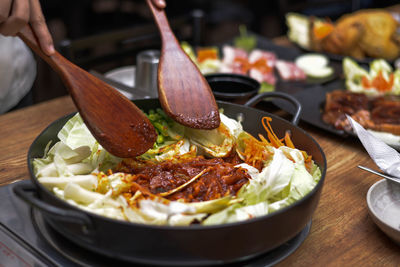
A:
(17, 71)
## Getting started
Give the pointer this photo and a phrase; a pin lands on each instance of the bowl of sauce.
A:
(232, 86)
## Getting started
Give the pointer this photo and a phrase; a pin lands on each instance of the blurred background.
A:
(105, 34)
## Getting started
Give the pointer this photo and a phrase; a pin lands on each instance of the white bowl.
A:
(383, 200)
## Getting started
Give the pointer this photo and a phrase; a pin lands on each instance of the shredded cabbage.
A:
(76, 170)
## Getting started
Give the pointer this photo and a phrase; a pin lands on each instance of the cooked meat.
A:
(370, 32)
(338, 103)
(380, 114)
(217, 177)
(346, 102)
(386, 110)
(385, 113)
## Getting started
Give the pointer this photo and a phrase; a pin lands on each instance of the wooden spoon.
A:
(116, 123)
(183, 91)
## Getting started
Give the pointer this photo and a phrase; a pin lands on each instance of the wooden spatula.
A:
(183, 91)
(116, 123)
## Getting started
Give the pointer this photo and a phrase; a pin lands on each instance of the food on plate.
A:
(258, 64)
(372, 99)
(380, 113)
(365, 33)
(314, 65)
(379, 80)
(189, 177)
(244, 58)
(289, 71)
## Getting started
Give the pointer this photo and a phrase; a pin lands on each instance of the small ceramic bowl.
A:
(232, 86)
(383, 199)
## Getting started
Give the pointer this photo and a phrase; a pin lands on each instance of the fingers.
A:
(17, 17)
(5, 9)
(16, 14)
(40, 29)
(159, 3)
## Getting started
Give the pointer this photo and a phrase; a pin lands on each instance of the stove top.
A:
(27, 240)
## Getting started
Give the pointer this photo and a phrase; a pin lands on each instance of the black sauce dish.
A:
(232, 86)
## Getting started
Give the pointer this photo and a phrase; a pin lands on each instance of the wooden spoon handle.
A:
(56, 60)
(64, 68)
(183, 91)
(116, 123)
(167, 35)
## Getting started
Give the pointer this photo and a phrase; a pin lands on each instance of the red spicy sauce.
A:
(220, 179)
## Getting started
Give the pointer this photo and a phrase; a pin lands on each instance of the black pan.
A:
(170, 245)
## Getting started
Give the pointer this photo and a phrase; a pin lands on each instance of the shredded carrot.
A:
(270, 133)
(262, 138)
(379, 82)
(207, 53)
(366, 82)
(255, 152)
(262, 65)
(288, 141)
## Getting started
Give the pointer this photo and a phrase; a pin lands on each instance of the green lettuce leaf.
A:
(189, 51)
(244, 40)
(354, 73)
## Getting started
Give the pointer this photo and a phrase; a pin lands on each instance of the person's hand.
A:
(16, 14)
(159, 3)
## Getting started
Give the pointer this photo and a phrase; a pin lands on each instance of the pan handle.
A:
(26, 191)
(257, 98)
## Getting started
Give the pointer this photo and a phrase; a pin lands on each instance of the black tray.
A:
(312, 100)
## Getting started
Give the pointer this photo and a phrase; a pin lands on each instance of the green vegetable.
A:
(244, 40)
(266, 87)
(189, 51)
(354, 74)
(210, 66)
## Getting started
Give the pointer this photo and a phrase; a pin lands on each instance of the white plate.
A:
(383, 199)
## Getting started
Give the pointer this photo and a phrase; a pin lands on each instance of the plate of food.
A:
(273, 66)
(371, 97)
(363, 35)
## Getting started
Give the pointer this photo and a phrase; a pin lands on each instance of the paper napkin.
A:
(384, 156)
